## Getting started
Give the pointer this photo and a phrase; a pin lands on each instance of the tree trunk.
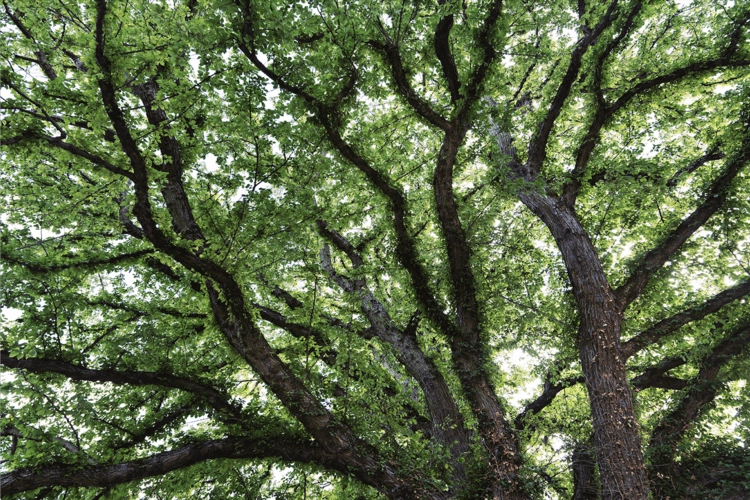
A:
(618, 445)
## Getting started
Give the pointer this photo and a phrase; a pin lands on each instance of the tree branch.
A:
(477, 78)
(652, 377)
(391, 52)
(16, 433)
(445, 416)
(671, 324)
(297, 450)
(601, 115)
(672, 182)
(538, 145)
(212, 396)
(88, 264)
(655, 376)
(549, 392)
(701, 390)
(443, 52)
(42, 60)
(653, 260)
(230, 312)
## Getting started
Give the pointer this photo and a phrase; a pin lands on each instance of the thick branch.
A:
(445, 416)
(655, 376)
(650, 336)
(701, 391)
(173, 191)
(671, 324)
(652, 261)
(445, 56)
(336, 437)
(391, 52)
(583, 463)
(231, 311)
(544, 399)
(488, 56)
(467, 351)
(109, 475)
(538, 145)
(622, 468)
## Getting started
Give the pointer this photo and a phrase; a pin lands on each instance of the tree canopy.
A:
(375, 249)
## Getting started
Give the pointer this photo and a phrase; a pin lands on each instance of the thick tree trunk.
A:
(618, 445)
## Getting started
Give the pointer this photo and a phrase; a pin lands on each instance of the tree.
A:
(270, 249)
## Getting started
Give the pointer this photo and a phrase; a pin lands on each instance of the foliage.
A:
(354, 249)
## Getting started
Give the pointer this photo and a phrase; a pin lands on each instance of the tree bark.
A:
(584, 469)
(618, 446)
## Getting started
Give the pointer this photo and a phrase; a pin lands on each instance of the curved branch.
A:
(391, 52)
(477, 78)
(75, 372)
(669, 325)
(445, 417)
(695, 165)
(282, 447)
(544, 399)
(655, 376)
(601, 115)
(653, 260)
(538, 145)
(701, 391)
(445, 56)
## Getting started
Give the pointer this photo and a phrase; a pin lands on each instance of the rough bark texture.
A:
(447, 421)
(584, 473)
(161, 463)
(466, 346)
(623, 475)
